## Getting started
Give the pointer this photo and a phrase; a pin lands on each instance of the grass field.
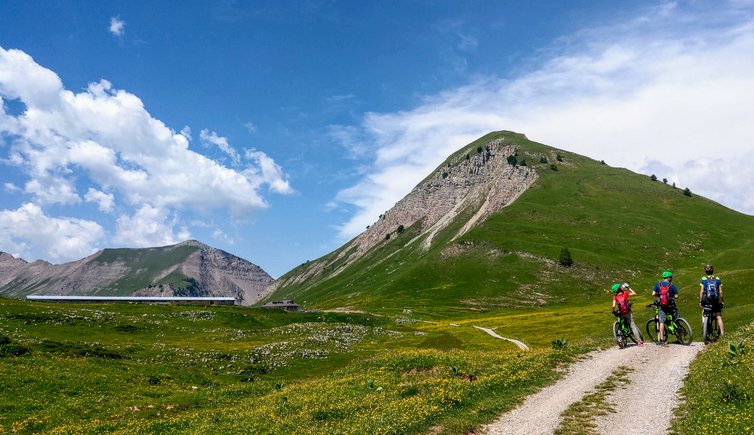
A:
(145, 369)
(70, 368)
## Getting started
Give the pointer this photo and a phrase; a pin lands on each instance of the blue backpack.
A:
(711, 288)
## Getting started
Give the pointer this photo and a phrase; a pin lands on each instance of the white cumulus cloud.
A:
(266, 172)
(107, 135)
(29, 233)
(149, 226)
(117, 26)
(211, 138)
(105, 201)
(101, 145)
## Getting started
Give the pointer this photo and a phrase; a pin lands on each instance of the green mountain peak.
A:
(485, 231)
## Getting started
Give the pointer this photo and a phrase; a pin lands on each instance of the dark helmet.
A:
(709, 270)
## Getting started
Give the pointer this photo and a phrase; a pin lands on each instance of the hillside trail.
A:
(492, 332)
(644, 405)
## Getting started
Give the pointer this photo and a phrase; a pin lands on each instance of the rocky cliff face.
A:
(223, 274)
(190, 268)
(471, 185)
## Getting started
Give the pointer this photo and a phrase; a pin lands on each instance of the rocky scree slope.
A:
(189, 268)
(479, 178)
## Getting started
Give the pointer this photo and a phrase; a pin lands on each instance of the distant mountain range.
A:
(189, 268)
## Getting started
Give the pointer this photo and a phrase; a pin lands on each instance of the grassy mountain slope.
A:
(618, 225)
(189, 268)
(145, 265)
(110, 272)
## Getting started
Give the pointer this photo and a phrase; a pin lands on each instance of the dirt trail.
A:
(492, 332)
(645, 403)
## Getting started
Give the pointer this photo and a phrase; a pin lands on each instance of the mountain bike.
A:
(710, 330)
(674, 325)
(622, 332)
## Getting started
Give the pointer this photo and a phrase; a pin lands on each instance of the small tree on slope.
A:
(565, 257)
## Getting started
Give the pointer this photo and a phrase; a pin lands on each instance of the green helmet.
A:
(615, 287)
(667, 274)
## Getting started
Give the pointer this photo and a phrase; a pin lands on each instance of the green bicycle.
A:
(622, 331)
(674, 325)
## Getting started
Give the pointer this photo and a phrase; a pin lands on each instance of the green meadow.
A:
(80, 368)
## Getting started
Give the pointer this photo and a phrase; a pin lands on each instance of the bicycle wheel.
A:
(683, 331)
(714, 330)
(618, 334)
(652, 328)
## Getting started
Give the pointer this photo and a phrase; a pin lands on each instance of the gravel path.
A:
(645, 403)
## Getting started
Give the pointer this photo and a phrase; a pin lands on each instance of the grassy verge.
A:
(578, 419)
(719, 390)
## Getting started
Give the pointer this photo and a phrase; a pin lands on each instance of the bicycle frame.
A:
(624, 326)
(669, 320)
(709, 324)
(674, 325)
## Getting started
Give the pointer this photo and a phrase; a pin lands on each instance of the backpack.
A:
(623, 306)
(711, 288)
(664, 294)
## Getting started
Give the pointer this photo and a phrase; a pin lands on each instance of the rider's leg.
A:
(720, 324)
(662, 317)
(634, 329)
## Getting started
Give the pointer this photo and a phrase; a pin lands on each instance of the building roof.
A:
(132, 298)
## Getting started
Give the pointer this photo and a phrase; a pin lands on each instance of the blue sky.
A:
(279, 130)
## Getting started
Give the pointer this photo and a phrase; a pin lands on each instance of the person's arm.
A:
(701, 294)
(722, 301)
(631, 291)
(613, 309)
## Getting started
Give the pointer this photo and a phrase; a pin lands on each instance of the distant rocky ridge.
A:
(473, 183)
(189, 268)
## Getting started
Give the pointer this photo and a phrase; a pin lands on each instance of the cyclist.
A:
(666, 294)
(622, 308)
(711, 294)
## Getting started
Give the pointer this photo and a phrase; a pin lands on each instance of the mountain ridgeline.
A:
(189, 268)
(485, 231)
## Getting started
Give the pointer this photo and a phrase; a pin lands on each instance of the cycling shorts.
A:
(717, 307)
(667, 310)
